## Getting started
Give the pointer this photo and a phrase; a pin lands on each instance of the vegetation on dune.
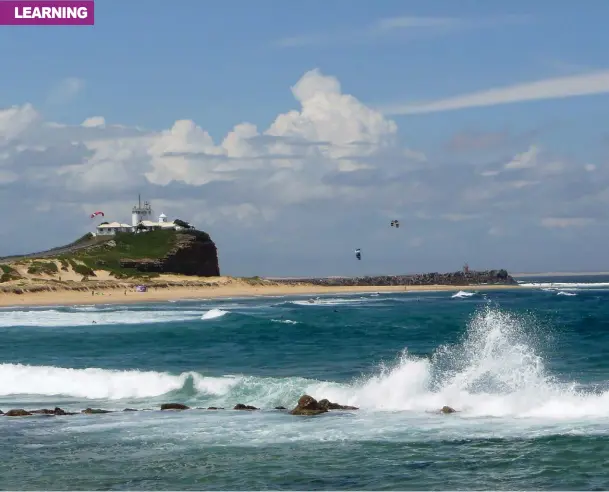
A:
(43, 268)
(8, 273)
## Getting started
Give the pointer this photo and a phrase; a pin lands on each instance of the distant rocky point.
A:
(486, 277)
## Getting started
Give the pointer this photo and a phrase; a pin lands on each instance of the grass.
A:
(153, 244)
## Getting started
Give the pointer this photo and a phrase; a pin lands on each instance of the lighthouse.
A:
(140, 212)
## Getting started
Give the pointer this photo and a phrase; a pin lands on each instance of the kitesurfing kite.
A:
(95, 214)
(395, 223)
(358, 254)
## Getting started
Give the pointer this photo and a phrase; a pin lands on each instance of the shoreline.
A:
(119, 295)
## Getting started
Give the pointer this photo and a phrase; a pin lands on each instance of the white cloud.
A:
(557, 222)
(297, 196)
(553, 88)
(66, 90)
(525, 159)
(389, 27)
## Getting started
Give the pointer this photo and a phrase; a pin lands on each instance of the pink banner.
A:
(47, 13)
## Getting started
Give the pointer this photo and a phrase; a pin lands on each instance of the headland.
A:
(182, 263)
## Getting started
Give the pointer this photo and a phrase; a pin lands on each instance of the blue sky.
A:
(418, 65)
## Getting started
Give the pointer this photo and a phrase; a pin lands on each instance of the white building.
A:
(141, 221)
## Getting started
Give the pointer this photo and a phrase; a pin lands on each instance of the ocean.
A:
(527, 371)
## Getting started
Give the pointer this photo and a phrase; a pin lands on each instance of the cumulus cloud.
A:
(298, 196)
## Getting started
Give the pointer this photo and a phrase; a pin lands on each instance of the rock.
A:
(215, 408)
(307, 405)
(18, 412)
(174, 406)
(490, 277)
(91, 411)
(55, 411)
(194, 253)
(280, 408)
(130, 410)
(334, 406)
(447, 409)
(241, 406)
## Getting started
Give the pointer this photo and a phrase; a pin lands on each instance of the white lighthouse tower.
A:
(140, 212)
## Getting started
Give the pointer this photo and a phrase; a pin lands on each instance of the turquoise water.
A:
(527, 370)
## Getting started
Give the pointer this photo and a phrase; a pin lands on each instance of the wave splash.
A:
(495, 370)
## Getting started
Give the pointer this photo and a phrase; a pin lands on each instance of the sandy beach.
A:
(222, 287)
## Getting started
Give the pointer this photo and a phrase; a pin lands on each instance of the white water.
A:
(496, 371)
(463, 294)
(567, 285)
(214, 313)
(85, 316)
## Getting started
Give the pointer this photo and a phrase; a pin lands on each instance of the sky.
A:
(295, 133)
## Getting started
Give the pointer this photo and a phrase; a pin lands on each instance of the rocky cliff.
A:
(488, 277)
(192, 253)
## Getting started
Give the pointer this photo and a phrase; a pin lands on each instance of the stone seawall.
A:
(487, 277)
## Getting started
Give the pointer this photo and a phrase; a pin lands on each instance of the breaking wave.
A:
(462, 294)
(496, 370)
(214, 313)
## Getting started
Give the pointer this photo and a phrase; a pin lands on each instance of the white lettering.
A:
(51, 13)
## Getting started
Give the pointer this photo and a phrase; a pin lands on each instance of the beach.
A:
(176, 287)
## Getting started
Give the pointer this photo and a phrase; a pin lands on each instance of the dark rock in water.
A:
(130, 410)
(489, 277)
(334, 406)
(1, 412)
(241, 406)
(280, 408)
(174, 406)
(215, 408)
(307, 405)
(55, 411)
(91, 411)
(194, 253)
(17, 412)
(447, 409)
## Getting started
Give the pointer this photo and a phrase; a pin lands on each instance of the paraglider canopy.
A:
(95, 214)
(358, 254)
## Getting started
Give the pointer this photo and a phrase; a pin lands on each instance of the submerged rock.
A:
(280, 408)
(174, 406)
(91, 411)
(447, 409)
(241, 406)
(215, 408)
(55, 411)
(17, 412)
(130, 410)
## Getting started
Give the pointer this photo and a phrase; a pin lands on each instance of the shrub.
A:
(45, 268)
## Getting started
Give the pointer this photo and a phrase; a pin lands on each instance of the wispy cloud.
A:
(391, 26)
(65, 91)
(553, 88)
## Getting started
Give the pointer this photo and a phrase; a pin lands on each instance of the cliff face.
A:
(489, 277)
(194, 253)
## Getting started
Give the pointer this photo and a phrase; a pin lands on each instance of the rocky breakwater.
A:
(194, 253)
(486, 277)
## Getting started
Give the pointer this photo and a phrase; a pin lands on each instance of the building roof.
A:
(162, 216)
(112, 225)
